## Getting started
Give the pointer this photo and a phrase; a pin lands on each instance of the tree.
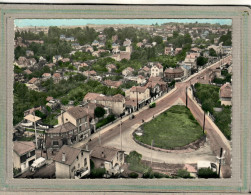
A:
(212, 52)
(207, 173)
(226, 39)
(99, 112)
(201, 61)
(158, 39)
(183, 173)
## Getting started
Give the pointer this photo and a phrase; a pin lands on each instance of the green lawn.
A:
(175, 127)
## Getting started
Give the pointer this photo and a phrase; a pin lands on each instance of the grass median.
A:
(176, 127)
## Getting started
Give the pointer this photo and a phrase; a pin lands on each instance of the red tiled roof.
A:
(113, 83)
(57, 75)
(33, 80)
(49, 98)
(27, 71)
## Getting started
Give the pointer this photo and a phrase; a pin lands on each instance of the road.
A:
(216, 139)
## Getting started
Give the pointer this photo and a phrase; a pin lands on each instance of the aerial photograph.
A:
(122, 98)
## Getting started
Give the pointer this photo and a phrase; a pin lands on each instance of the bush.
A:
(207, 173)
(16, 171)
(99, 112)
(105, 121)
(133, 175)
(183, 173)
(152, 105)
(158, 175)
(97, 173)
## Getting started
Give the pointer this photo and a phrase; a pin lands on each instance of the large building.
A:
(116, 103)
(173, 73)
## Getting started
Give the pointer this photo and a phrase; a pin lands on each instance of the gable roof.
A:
(113, 83)
(104, 153)
(77, 112)
(22, 147)
(226, 91)
(138, 89)
(70, 155)
(91, 96)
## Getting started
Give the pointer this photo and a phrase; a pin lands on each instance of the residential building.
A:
(156, 86)
(157, 70)
(128, 71)
(112, 84)
(27, 71)
(29, 53)
(173, 73)
(111, 67)
(109, 158)
(191, 61)
(72, 163)
(177, 51)
(145, 71)
(56, 77)
(78, 116)
(33, 81)
(23, 155)
(168, 51)
(138, 94)
(141, 80)
(116, 103)
(226, 94)
(56, 58)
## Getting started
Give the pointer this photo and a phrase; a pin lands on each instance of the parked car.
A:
(38, 163)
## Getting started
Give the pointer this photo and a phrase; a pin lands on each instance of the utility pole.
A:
(137, 99)
(186, 96)
(204, 123)
(152, 152)
(35, 127)
(120, 136)
(221, 149)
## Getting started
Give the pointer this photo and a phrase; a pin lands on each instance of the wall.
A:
(62, 171)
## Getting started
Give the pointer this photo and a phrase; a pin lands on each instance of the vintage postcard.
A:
(119, 100)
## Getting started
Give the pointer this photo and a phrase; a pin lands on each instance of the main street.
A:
(216, 139)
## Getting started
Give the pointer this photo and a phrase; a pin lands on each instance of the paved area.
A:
(128, 145)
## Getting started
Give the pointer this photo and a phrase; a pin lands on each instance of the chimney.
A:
(102, 155)
(63, 157)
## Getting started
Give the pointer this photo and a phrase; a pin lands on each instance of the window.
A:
(23, 158)
(77, 157)
(66, 119)
(78, 165)
(85, 162)
(55, 143)
(33, 153)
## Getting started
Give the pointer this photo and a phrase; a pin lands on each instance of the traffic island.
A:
(174, 129)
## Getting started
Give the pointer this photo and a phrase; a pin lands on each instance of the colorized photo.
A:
(122, 98)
